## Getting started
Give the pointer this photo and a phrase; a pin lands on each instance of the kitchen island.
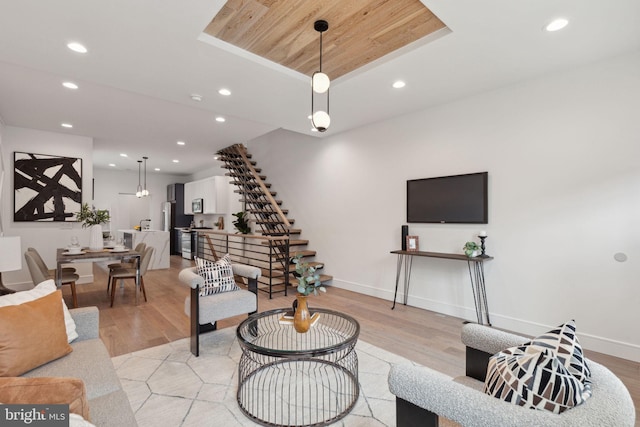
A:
(158, 240)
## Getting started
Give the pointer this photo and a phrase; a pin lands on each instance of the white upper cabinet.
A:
(213, 191)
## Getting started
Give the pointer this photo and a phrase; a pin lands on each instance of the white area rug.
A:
(169, 387)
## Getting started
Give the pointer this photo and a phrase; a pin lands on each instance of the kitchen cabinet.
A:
(189, 191)
(213, 191)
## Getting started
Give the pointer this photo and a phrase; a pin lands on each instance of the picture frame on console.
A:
(412, 243)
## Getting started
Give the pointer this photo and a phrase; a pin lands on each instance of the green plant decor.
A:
(470, 247)
(308, 280)
(91, 216)
(242, 223)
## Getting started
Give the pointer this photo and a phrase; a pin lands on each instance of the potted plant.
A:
(93, 218)
(471, 249)
(308, 283)
(242, 223)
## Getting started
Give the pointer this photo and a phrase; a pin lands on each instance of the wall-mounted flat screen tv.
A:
(456, 199)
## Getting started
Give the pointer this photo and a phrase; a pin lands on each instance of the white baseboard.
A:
(25, 286)
(592, 342)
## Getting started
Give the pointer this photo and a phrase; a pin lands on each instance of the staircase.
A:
(260, 202)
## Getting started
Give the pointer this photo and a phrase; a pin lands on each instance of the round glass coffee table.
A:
(286, 378)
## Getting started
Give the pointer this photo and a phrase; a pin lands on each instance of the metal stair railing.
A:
(257, 197)
(269, 253)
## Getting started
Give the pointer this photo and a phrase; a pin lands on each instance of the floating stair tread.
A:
(249, 183)
(273, 193)
(260, 202)
(292, 242)
(304, 253)
(273, 221)
(266, 212)
(243, 175)
(292, 231)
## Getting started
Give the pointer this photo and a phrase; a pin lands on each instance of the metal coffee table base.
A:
(299, 392)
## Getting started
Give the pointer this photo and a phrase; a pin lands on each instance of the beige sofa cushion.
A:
(46, 391)
(32, 334)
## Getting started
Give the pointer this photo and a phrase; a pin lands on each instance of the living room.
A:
(561, 151)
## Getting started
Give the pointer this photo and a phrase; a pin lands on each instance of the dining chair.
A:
(39, 275)
(130, 273)
(125, 263)
(43, 266)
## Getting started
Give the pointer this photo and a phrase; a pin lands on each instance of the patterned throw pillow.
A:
(563, 342)
(548, 373)
(218, 275)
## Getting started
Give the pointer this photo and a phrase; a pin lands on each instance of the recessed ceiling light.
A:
(70, 85)
(113, 165)
(314, 130)
(224, 92)
(181, 143)
(66, 125)
(556, 24)
(309, 117)
(156, 169)
(196, 97)
(77, 47)
(175, 161)
(399, 84)
(220, 119)
(123, 155)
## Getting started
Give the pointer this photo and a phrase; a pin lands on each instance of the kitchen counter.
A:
(157, 239)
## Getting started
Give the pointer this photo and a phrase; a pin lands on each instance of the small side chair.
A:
(205, 311)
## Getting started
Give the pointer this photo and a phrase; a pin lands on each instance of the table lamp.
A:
(10, 258)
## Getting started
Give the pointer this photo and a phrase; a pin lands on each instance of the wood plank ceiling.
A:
(360, 31)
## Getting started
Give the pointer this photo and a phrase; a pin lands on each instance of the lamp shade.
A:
(10, 253)
(320, 82)
(321, 120)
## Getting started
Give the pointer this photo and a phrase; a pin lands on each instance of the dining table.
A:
(63, 256)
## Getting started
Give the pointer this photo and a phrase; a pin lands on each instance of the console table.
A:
(476, 274)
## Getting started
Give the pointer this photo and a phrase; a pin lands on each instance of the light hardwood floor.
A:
(425, 337)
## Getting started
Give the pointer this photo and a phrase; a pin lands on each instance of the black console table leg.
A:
(398, 269)
(476, 275)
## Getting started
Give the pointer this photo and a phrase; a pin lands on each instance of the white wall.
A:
(564, 181)
(44, 236)
(109, 183)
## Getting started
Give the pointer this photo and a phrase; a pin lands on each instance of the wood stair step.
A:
(260, 202)
(273, 221)
(266, 211)
(292, 231)
(250, 183)
(304, 253)
(243, 175)
(292, 242)
(273, 193)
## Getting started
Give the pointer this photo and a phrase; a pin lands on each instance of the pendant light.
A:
(145, 192)
(139, 189)
(320, 84)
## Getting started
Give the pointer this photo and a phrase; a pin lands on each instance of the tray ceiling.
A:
(360, 31)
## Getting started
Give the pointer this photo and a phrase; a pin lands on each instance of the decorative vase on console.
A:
(308, 283)
(93, 218)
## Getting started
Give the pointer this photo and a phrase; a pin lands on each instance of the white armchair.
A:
(423, 395)
(205, 311)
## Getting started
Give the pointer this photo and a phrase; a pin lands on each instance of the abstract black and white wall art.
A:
(46, 188)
